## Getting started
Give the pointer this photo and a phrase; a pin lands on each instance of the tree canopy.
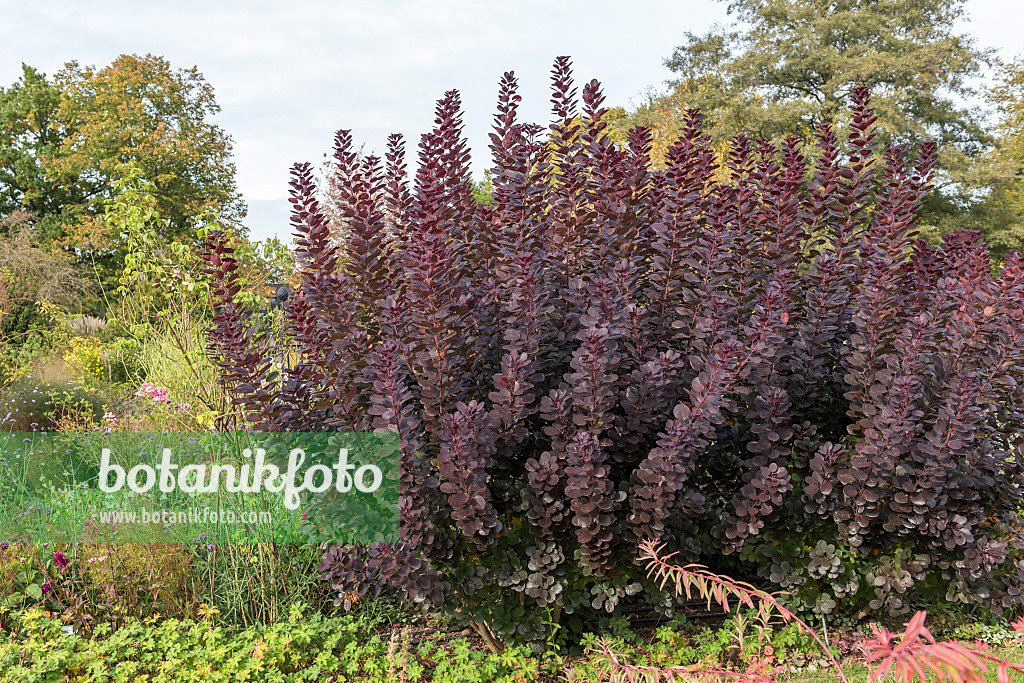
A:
(65, 138)
(786, 67)
(1003, 207)
(30, 132)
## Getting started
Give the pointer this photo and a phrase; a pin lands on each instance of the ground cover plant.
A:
(915, 655)
(297, 648)
(767, 373)
(760, 641)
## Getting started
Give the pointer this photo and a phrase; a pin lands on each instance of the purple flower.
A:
(4, 545)
(61, 560)
(47, 586)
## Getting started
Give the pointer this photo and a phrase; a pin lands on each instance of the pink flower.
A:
(154, 392)
(61, 560)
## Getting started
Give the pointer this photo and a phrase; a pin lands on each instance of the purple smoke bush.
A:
(748, 356)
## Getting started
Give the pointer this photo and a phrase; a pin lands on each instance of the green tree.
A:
(483, 191)
(1003, 206)
(65, 138)
(785, 67)
(31, 132)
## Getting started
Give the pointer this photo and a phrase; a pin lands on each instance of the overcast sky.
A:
(288, 74)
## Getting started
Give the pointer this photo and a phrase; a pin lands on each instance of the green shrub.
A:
(124, 360)
(30, 404)
(25, 336)
(25, 317)
(311, 648)
(95, 360)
